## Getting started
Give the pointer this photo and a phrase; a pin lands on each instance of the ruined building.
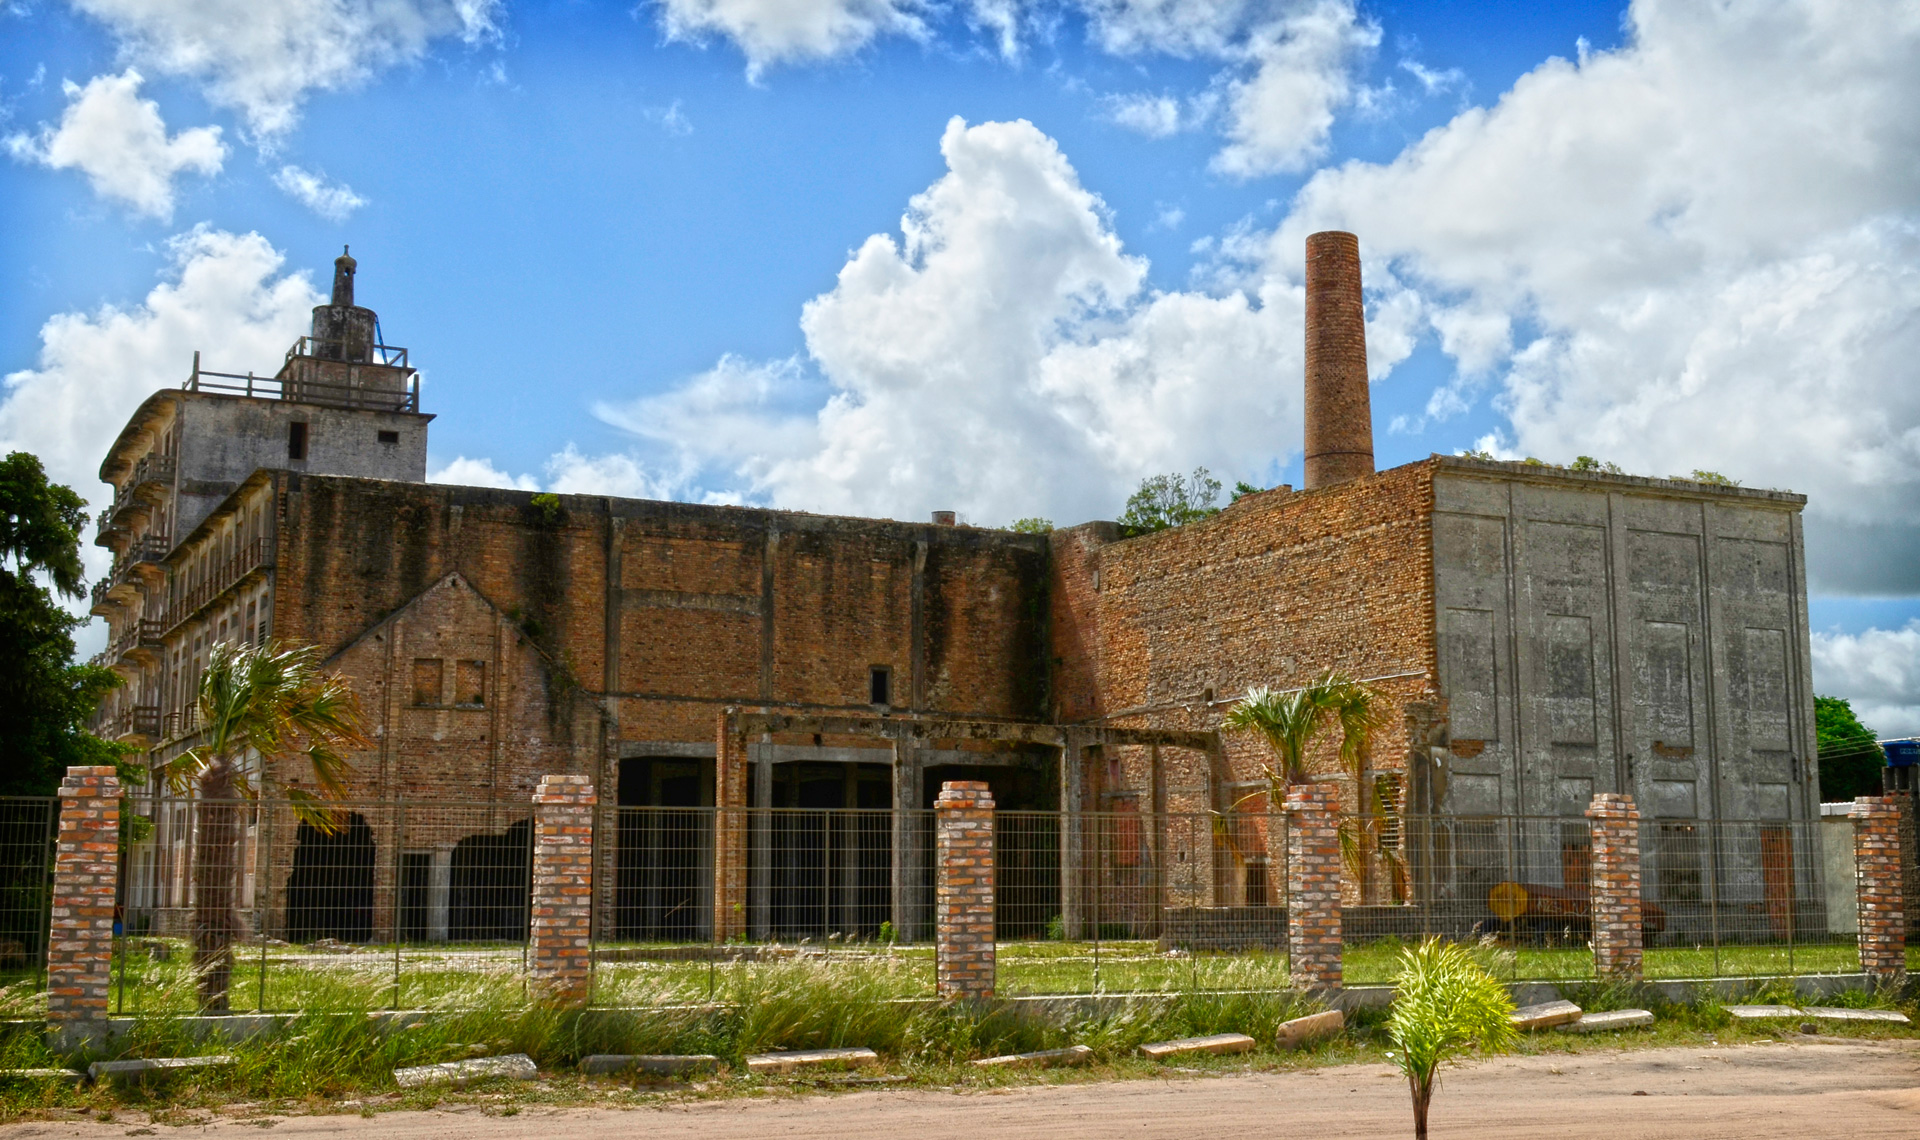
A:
(1540, 635)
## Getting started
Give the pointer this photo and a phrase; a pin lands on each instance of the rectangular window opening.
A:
(470, 683)
(297, 439)
(389, 437)
(427, 673)
(880, 685)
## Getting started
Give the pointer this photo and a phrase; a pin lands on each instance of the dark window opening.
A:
(1257, 885)
(880, 685)
(389, 437)
(297, 440)
(331, 892)
(416, 895)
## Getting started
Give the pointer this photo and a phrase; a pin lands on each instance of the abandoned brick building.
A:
(1540, 634)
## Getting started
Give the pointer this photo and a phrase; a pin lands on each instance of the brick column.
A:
(86, 871)
(1313, 886)
(963, 893)
(562, 928)
(729, 830)
(1876, 863)
(1613, 901)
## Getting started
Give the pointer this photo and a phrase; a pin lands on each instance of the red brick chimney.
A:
(1339, 417)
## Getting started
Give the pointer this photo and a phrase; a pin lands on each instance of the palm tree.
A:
(1442, 1002)
(264, 703)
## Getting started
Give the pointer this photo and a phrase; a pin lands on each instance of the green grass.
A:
(451, 976)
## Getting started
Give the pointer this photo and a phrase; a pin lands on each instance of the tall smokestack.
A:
(1339, 417)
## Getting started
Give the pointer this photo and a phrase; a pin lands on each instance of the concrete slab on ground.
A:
(1044, 1059)
(1306, 1030)
(1830, 1013)
(1216, 1043)
(512, 1067)
(1546, 1015)
(807, 1058)
(140, 1067)
(41, 1074)
(1609, 1020)
(655, 1064)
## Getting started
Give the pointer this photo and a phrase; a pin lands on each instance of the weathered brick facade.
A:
(1614, 897)
(1878, 887)
(963, 932)
(561, 935)
(85, 872)
(1313, 886)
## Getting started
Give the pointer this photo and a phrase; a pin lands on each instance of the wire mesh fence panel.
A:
(850, 889)
(253, 906)
(28, 828)
(1745, 898)
(1515, 885)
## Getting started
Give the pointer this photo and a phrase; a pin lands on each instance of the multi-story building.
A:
(1538, 635)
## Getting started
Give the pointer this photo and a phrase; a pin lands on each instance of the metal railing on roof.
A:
(297, 389)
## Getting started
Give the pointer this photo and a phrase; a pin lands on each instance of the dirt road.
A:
(1803, 1091)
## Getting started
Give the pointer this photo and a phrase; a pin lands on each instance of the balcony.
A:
(250, 559)
(103, 604)
(138, 642)
(134, 724)
(151, 478)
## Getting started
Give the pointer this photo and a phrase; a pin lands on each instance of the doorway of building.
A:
(665, 836)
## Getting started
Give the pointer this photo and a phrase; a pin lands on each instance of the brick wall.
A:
(1614, 896)
(963, 891)
(85, 868)
(1878, 887)
(1166, 629)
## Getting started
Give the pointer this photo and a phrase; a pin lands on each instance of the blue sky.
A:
(1671, 236)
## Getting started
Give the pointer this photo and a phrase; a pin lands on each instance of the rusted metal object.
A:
(1536, 908)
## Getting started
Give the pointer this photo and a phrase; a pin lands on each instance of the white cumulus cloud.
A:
(262, 57)
(334, 201)
(119, 141)
(1877, 671)
(464, 472)
(1701, 250)
(223, 294)
(1000, 356)
(775, 31)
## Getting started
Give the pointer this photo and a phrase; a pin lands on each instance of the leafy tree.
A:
(1290, 721)
(45, 698)
(1242, 488)
(1032, 526)
(1850, 760)
(258, 705)
(1171, 500)
(1443, 1001)
(1712, 477)
(1589, 463)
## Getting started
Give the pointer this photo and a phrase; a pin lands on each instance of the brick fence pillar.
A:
(1313, 886)
(86, 871)
(562, 927)
(1876, 863)
(963, 892)
(1613, 902)
(729, 830)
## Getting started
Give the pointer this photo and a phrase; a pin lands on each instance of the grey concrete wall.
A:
(1609, 633)
(224, 439)
(1837, 868)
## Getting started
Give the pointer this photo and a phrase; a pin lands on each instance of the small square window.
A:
(427, 673)
(470, 683)
(389, 437)
(880, 686)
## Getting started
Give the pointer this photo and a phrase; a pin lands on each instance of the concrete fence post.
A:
(86, 870)
(562, 911)
(1313, 886)
(963, 892)
(1613, 901)
(1877, 884)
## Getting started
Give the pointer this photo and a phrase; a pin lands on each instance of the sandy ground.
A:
(1855, 1090)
